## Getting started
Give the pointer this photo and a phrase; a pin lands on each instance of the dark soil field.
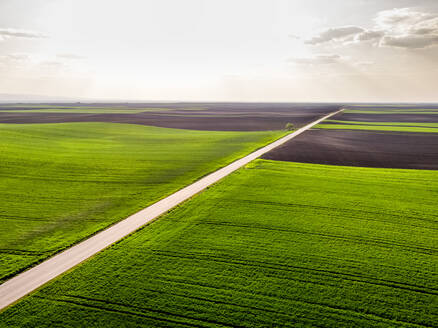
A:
(339, 142)
(361, 148)
(194, 116)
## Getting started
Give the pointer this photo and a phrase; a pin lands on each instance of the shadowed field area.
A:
(331, 247)
(61, 183)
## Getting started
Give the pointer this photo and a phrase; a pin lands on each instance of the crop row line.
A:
(104, 306)
(335, 209)
(292, 268)
(356, 239)
(377, 317)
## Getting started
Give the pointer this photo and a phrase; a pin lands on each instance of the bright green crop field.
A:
(275, 244)
(60, 183)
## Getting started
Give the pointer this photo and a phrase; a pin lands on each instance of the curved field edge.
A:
(273, 244)
(61, 183)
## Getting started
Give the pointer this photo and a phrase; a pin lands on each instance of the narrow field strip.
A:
(89, 110)
(383, 111)
(24, 283)
(392, 128)
(409, 124)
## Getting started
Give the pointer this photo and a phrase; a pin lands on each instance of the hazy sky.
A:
(225, 50)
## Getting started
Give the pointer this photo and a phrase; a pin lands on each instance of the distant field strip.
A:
(409, 110)
(274, 244)
(79, 110)
(411, 124)
(60, 183)
(380, 126)
(92, 110)
(88, 106)
(392, 111)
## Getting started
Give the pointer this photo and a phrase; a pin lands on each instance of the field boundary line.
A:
(26, 282)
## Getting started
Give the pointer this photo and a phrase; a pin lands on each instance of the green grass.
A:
(275, 244)
(371, 127)
(60, 183)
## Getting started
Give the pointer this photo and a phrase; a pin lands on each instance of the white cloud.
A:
(400, 27)
(408, 28)
(401, 19)
(6, 33)
(369, 35)
(333, 34)
(410, 41)
(321, 59)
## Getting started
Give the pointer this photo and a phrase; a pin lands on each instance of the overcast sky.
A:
(224, 50)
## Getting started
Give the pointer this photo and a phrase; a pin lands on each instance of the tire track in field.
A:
(354, 239)
(208, 300)
(345, 311)
(104, 305)
(335, 209)
(294, 268)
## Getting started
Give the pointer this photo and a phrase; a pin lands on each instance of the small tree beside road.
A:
(289, 127)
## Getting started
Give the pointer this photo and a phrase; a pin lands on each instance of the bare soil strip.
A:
(26, 282)
(361, 148)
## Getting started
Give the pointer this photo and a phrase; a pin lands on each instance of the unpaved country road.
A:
(26, 282)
